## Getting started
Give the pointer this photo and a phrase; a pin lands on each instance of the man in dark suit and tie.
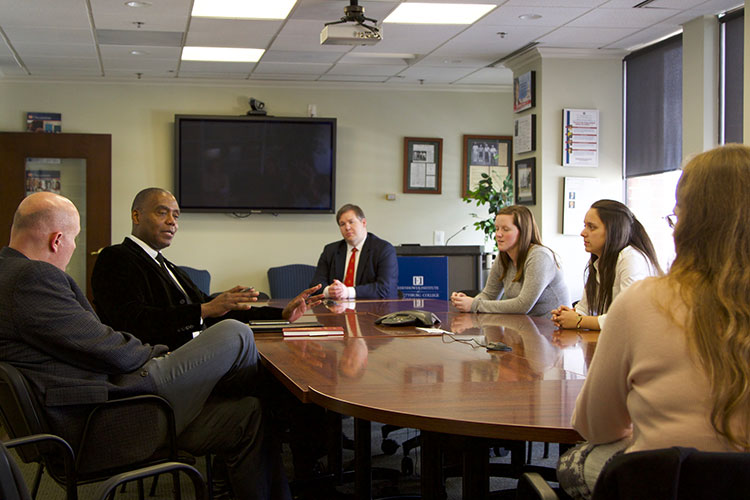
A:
(361, 266)
(50, 333)
(137, 290)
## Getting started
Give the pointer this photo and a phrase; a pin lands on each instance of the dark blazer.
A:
(377, 271)
(50, 333)
(132, 293)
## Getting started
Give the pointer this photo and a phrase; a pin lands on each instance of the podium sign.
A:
(423, 277)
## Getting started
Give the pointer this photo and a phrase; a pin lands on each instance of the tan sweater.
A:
(642, 379)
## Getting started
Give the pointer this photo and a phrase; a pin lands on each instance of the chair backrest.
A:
(12, 485)
(288, 281)
(200, 277)
(19, 412)
(675, 473)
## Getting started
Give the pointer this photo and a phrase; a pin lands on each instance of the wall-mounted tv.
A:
(255, 164)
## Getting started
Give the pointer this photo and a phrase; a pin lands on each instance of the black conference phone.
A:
(414, 317)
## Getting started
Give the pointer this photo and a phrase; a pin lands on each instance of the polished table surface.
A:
(409, 378)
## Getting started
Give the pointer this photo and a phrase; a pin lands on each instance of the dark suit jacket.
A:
(377, 271)
(50, 333)
(132, 293)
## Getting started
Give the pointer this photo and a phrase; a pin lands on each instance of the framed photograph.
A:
(485, 154)
(423, 165)
(524, 91)
(525, 181)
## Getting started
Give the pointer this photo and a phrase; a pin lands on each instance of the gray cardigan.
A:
(541, 289)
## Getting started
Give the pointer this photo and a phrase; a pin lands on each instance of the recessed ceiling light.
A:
(243, 9)
(529, 17)
(137, 4)
(138, 52)
(222, 54)
(438, 13)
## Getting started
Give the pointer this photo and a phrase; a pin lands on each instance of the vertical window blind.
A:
(733, 27)
(653, 108)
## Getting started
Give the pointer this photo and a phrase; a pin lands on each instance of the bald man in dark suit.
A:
(49, 332)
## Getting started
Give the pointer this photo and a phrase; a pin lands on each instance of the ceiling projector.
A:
(352, 28)
(349, 34)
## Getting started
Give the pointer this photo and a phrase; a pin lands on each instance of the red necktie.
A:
(349, 277)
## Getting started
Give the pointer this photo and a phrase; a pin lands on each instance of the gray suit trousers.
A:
(208, 382)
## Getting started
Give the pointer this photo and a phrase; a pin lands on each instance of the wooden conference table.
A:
(405, 377)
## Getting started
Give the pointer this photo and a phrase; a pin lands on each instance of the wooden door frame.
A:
(96, 149)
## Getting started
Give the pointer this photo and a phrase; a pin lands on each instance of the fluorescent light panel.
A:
(222, 54)
(243, 9)
(438, 13)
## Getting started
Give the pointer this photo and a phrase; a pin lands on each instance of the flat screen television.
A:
(255, 164)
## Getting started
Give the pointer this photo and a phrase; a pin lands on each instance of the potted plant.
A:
(497, 199)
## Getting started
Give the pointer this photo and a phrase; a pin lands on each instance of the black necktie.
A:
(162, 261)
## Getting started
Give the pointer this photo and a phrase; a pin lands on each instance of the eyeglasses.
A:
(671, 220)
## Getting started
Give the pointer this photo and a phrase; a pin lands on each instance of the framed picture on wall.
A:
(485, 154)
(525, 181)
(423, 165)
(524, 91)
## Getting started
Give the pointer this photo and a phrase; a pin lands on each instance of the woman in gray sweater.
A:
(525, 278)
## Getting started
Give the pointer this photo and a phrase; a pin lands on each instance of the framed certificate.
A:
(423, 165)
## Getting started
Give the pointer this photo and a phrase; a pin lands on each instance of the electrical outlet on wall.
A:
(438, 238)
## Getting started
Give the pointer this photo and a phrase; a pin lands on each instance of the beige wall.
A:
(579, 80)
(371, 128)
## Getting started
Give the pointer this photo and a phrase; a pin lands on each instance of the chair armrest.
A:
(532, 486)
(57, 442)
(107, 487)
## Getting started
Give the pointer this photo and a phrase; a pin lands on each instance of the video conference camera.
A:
(256, 107)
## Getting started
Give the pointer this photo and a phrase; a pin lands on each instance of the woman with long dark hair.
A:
(525, 278)
(671, 364)
(621, 254)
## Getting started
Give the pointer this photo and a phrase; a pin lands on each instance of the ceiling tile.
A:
(161, 15)
(351, 78)
(52, 14)
(583, 37)
(300, 56)
(27, 49)
(290, 68)
(489, 76)
(507, 15)
(231, 33)
(270, 76)
(217, 66)
(142, 38)
(19, 34)
(622, 18)
(366, 69)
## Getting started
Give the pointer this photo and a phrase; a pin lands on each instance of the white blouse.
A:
(632, 265)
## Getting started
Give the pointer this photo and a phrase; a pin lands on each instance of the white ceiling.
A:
(93, 39)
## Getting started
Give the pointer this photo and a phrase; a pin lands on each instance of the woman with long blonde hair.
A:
(672, 365)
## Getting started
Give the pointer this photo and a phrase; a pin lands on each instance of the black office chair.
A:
(13, 487)
(666, 474)
(106, 447)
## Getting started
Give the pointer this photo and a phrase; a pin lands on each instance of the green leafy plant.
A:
(497, 199)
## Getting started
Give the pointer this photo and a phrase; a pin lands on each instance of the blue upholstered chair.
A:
(200, 277)
(287, 282)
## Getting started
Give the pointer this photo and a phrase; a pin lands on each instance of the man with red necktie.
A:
(361, 266)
